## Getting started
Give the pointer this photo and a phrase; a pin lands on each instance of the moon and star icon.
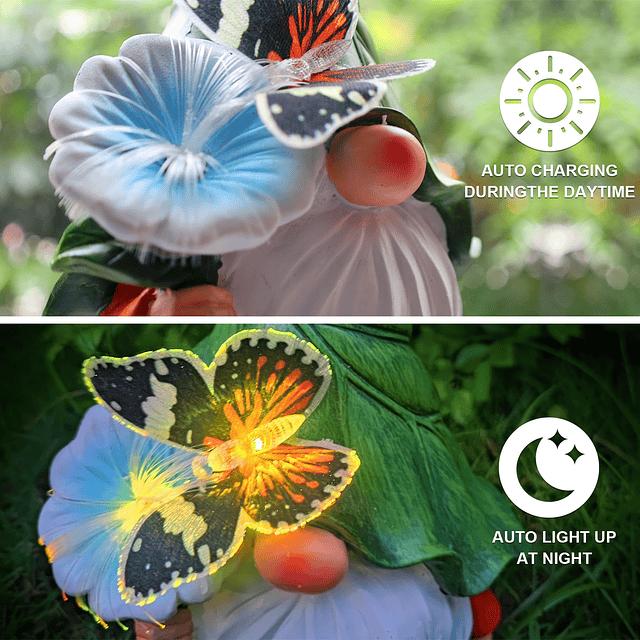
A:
(565, 458)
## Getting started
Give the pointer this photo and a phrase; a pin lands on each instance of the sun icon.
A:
(549, 101)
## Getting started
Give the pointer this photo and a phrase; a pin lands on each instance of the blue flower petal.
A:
(101, 476)
(163, 146)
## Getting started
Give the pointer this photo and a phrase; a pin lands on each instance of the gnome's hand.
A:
(204, 300)
(179, 627)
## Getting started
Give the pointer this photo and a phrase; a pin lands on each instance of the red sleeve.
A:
(129, 300)
(486, 613)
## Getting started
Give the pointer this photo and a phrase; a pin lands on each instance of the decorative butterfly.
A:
(273, 29)
(239, 414)
(302, 40)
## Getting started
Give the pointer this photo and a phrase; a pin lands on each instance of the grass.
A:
(491, 379)
(590, 376)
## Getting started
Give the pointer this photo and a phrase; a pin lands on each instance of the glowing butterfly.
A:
(302, 40)
(239, 414)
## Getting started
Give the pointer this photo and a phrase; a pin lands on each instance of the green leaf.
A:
(86, 248)
(564, 332)
(501, 354)
(76, 294)
(471, 356)
(427, 346)
(461, 406)
(481, 386)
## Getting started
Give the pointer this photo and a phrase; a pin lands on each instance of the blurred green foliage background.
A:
(539, 257)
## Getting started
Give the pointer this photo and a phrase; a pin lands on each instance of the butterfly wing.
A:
(187, 536)
(386, 71)
(263, 374)
(293, 483)
(274, 29)
(308, 115)
(164, 394)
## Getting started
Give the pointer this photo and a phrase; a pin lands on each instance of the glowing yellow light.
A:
(150, 489)
(198, 470)
(85, 607)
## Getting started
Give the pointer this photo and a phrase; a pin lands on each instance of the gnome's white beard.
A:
(342, 259)
(370, 602)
